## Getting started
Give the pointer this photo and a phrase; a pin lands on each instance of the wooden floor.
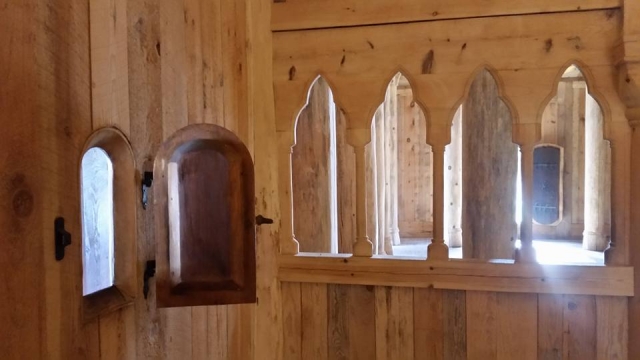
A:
(558, 252)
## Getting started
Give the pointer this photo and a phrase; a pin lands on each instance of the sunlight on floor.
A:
(550, 252)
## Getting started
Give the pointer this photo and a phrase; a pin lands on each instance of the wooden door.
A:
(46, 118)
(547, 184)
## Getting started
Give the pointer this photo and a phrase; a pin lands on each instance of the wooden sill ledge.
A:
(456, 274)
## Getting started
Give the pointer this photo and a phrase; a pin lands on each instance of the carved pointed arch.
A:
(402, 71)
(501, 93)
(302, 106)
(592, 90)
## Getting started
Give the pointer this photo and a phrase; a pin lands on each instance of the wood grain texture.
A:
(562, 125)
(362, 329)
(550, 327)
(415, 178)
(456, 274)
(482, 322)
(297, 14)
(517, 326)
(198, 264)
(488, 196)
(454, 313)
(21, 122)
(428, 323)
(394, 323)
(313, 309)
(291, 321)
(118, 334)
(612, 328)
(310, 167)
(579, 327)
(338, 322)
(346, 196)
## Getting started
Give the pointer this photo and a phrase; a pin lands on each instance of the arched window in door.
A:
(97, 221)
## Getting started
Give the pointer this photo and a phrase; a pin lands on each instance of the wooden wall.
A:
(415, 184)
(330, 321)
(563, 124)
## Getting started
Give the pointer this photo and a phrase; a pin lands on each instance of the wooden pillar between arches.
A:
(597, 214)
(453, 184)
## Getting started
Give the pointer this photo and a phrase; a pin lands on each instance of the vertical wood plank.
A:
(217, 334)
(482, 336)
(22, 238)
(579, 327)
(338, 326)
(550, 326)
(90, 345)
(234, 67)
(314, 321)
(454, 314)
(176, 322)
(118, 335)
(240, 331)
(346, 163)
(269, 339)
(145, 111)
(212, 69)
(109, 64)
(613, 328)
(193, 51)
(199, 333)
(428, 324)
(517, 326)
(362, 329)
(177, 332)
(291, 321)
(394, 323)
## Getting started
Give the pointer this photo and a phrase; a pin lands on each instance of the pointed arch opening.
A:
(572, 206)
(399, 174)
(315, 172)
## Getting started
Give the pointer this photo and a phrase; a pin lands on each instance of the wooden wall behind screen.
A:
(374, 322)
(563, 124)
(415, 184)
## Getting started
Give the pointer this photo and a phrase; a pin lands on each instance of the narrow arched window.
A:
(107, 194)
(97, 221)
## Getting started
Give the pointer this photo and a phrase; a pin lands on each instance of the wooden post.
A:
(488, 195)
(453, 185)
(393, 169)
(371, 177)
(438, 133)
(359, 138)
(526, 137)
(392, 233)
(310, 168)
(597, 174)
(381, 175)
(288, 243)
(346, 187)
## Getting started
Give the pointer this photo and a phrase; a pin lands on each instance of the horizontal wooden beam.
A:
(315, 14)
(457, 274)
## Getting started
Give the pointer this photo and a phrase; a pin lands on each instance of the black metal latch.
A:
(62, 238)
(261, 220)
(149, 272)
(147, 181)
